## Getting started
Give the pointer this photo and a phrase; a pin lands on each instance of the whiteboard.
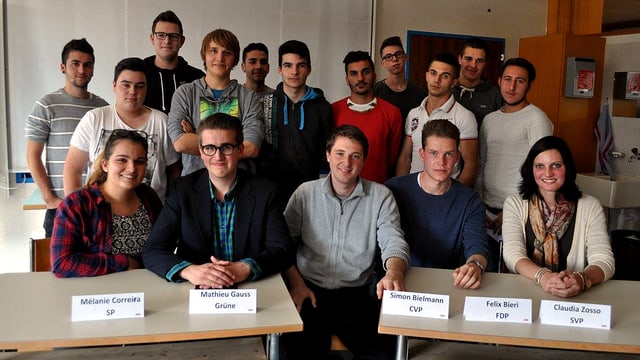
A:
(36, 31)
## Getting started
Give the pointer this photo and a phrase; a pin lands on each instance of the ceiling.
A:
(621, 15)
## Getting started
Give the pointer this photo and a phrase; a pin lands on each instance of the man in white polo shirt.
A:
(442, 76)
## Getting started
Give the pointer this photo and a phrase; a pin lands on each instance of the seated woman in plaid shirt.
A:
(102, 227)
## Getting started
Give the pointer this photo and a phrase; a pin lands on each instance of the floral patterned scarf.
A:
(548, 227)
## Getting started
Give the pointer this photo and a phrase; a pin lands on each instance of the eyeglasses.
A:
(130, 134)
(118, 134)
(163, 35)
(398, 54)
(225, 149)
(107, 137)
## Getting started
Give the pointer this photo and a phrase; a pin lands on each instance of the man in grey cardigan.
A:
(339, 222)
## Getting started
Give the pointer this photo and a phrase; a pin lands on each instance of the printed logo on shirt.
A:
(229, 107)
(414, 124)
(268, 109)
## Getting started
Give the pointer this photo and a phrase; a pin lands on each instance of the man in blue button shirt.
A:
(220, 225)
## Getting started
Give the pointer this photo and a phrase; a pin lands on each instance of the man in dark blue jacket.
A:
(297, 121)
(220, 225)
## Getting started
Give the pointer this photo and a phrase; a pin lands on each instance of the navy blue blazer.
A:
(185, 225)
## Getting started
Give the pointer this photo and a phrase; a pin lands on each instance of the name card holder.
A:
(582, 315)
(107, 306)
(222, 301)
(415, 304)
(511, 310)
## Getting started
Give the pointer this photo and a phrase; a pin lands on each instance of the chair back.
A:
(40, 254)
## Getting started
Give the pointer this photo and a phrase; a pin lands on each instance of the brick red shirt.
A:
(382, 126)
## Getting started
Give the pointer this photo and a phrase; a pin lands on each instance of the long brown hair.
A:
(98, 175)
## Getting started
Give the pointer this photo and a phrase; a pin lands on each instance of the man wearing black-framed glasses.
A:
(222, 221)
(396, 89)
(166, 70)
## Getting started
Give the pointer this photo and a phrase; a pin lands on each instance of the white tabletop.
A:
(35, 309)
(623, 296)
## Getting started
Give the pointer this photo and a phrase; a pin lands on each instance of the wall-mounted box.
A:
(626, 85)
(580, 78)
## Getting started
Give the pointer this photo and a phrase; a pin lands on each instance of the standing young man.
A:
(215, 92)
(93, 131)
(506, 135)
(166, 70)
(379, 120)
(52, 121)
(255, 65)
(473, 91)
(442, 76)
(297, 122)
(396, 89)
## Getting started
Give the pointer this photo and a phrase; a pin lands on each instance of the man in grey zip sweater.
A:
(215, 93)
(339, 222)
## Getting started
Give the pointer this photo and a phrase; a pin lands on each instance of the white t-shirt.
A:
(95, 127)
(457, 114)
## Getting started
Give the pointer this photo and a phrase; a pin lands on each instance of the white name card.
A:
(575, 314)
(222, 301)
(492, 309)
(415, 304)
(107, 306)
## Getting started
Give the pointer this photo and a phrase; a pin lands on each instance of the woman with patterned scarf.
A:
(554, 234)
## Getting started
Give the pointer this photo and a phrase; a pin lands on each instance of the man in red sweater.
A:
(380, 121)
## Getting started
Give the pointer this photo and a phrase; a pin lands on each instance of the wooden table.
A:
(35, 309)
(623, 296)
(34, 202)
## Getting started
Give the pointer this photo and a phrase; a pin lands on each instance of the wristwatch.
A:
(477, 264)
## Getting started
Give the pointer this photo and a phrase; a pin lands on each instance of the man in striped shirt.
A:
(52, 121)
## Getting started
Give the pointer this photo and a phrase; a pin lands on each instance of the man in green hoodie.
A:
(297, 121)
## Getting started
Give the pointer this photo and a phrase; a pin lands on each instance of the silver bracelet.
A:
(581, 276)
(539, 274)
(478, 264)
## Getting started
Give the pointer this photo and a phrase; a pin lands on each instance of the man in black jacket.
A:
(166, 70)
(297, 120)
(220, 225)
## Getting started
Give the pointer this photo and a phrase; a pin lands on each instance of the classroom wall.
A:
(36, 31)
(124, 27)
(508, 19)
